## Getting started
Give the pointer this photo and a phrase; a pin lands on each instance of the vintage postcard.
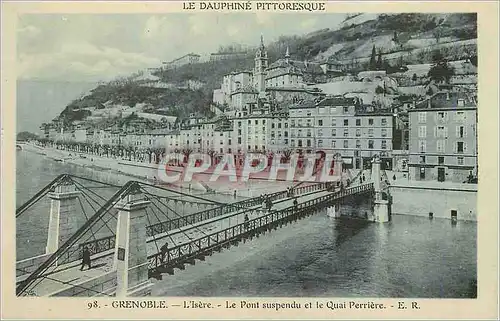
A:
(267, 160)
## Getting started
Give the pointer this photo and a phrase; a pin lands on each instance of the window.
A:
(229, 142)
(421, 146)
(461, 131)
(334, 132)
(370, 132)
(239, 140)
(322, 110)
(358, 132)
(358, 143)
(440, 146)
(300, 142)
(346, 132)
(286, 141)
(308, 113)
(358, 122)
(440, 160)
(384, 132)
(460, 147)
(292, 123)
(299, 132)
(346, 109)
(320, 143)
(422, 117)
(320, 122)
(334, 121)
(308, 143)
(441, 116)
(460, 160)
(383, 121)
(299, 123)
(370, 121)
(346, 143)
(286, 134)
(239, 124)
(370, 144)
(249, 122)
(263, 129)
(272, 125)
(320, 132)
(460, 116)
(279, 125)
(422, 131)
(263, 122)
(441, 131)
(461, 103)
(286, 125)
(384, 144)
(346, 122)
(272, 134)
(422, 159)
(333, 110)
(292, 142)
(256, 123)
(334, 143)
(308, 133)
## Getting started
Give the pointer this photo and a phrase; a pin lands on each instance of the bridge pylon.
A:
(130, 259)
(63, 222)
(381, 207)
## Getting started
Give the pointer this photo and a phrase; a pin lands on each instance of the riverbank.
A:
(417, 198)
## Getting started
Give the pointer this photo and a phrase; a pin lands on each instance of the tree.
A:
(373, 57)
(379, 61)
(437, 33)
(414, 77)
(440, 70)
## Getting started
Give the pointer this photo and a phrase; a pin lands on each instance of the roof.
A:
(305, 67)
(447, 100)
(337, 101)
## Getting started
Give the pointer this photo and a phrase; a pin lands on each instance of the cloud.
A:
(83, 61)
(82, 46)
(28, 31)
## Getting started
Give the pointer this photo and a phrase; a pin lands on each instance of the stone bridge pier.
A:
(130, 259)
(375, 208)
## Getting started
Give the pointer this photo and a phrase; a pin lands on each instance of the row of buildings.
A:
(271, 109)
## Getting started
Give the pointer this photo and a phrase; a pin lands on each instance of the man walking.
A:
(86, 258)
(164, 250)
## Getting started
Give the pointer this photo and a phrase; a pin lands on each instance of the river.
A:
(317, 256)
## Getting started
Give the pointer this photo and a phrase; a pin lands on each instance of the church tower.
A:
(259, 73)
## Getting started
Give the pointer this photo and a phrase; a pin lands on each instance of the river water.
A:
(317, 256)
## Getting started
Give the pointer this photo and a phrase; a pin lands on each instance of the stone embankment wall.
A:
(420, 201)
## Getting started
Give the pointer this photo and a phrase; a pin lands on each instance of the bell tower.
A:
(260, 68)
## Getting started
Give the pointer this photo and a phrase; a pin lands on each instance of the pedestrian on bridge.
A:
(246, 222)
(86, 261)
(164, 250)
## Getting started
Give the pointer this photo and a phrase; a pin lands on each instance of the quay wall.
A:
(420, 201)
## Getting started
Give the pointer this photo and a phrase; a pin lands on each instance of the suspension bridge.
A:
(140, 231)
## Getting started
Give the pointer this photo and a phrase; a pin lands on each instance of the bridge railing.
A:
(96, 246)
(165, 226)
(180, 253)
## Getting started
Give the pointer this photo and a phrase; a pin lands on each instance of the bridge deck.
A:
(69, 275)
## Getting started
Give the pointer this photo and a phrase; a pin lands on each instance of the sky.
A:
(92, 47)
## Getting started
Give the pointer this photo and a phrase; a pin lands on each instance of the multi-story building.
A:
(219, 56)
(340, 125)
(443, 138)
(190, 58)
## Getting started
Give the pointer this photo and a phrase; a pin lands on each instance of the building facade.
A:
(443, 138)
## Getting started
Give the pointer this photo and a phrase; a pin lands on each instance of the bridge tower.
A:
(63, 221)
(381, 208)
(130, 260)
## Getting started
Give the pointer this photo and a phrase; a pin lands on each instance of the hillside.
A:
(401, 39)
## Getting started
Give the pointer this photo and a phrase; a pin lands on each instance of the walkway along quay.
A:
(139, 233)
